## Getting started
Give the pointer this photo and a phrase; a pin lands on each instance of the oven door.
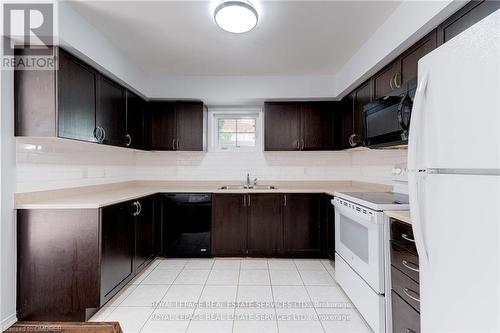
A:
(359, 240)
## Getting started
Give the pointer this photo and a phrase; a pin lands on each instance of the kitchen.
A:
(246, 176)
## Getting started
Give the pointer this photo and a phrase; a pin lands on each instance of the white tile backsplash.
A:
(45, 163)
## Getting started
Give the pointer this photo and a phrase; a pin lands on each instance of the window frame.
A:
(215, 114)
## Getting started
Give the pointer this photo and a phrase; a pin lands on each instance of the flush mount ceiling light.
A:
(236, 16)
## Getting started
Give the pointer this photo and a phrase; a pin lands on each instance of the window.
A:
(233, 130)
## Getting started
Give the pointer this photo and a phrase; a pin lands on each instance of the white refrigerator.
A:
(454, 181)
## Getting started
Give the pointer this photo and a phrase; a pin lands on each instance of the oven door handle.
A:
(354, 215)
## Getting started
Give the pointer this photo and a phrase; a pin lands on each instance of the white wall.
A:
(53, 163)
(45, 164)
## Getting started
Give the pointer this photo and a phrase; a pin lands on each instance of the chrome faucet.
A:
(248, 184)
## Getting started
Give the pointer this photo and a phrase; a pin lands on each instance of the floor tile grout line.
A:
(198, 301)
(312, 302)
(236, 299)
(274, 300)
(161, 299)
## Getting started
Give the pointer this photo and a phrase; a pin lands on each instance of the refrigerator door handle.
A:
(414, 191)
(415, 124)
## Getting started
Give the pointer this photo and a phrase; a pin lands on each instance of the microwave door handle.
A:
(360, 218)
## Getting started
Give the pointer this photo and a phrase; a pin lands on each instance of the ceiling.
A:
(291, 38)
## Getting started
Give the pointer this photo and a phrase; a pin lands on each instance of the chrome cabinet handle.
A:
(103, 134)
(284, 203)
(177, 145)
(173, 144)
(351, 140)
(409, 330)
(355, 139)
(140, 208)
(408, 238)
(396, 84)
(407, 293)
(407, 265)
(99, 134)
(392, 81)
(129, 140)
(244, 200)
(302, 144)
(135, 203)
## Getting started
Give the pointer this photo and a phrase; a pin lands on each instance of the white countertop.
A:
(401, 215)
(104, 195)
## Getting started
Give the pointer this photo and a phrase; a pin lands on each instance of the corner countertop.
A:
(92, 197)
(401, 215)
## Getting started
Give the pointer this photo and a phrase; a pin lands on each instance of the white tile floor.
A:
(233, 295)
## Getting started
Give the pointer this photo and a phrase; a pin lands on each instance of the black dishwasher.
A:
(187, 224)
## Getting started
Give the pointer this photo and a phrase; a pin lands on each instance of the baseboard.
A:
(8, 322)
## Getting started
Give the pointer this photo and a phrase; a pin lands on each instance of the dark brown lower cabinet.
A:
(117, 247)
(301, 224)
(72, 261)
(328, 226)
(404, 317)
(264, 224)
(144, 232)
(229, 225)
(405, 293)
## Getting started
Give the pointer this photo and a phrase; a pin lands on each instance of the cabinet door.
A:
(117, 247)
(144, 224)
(363, 97)
(281, 126)
(410, 58)
(301, 223)
(75, 98)
(387, 80)
(190, 126)
(317, 125)
(229, 225)
(328, 220)
(135, 121)
(264, 224)
(161, 125)
(344, 122)
(111, 112)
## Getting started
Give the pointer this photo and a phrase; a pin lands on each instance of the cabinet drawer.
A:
(406, 288)
(405, 261)
(404, 318)
(402, 234)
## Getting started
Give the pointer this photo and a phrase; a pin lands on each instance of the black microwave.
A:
(387, 121)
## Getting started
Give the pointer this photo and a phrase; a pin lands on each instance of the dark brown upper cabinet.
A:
(135, 136)
(111, 116)
(298, 126)
(409, 59)
(349, 120)
(176, 125)
(282, 126)
(473, 12)
(59, 103)
(76, 102)
(387, 80)
(404, 68)
(301, 224)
